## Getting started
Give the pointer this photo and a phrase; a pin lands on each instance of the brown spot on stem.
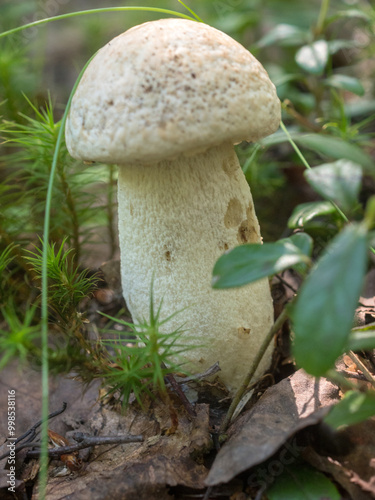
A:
(229, 166)
(242, 331)
(223, 246)
(233, 214)
(247, 232)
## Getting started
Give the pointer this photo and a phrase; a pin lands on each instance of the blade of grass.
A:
(97, 11)
(304, 161)
(191, 11)
(44, 298)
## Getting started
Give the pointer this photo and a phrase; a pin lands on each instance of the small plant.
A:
(133, 362)
(18, 340)
(72, 211)
(67, 285)
(6, 258)
(143, 361)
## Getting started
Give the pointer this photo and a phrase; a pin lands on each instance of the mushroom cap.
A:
(166, 88)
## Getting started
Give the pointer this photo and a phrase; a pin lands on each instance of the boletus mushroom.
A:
(166, 101)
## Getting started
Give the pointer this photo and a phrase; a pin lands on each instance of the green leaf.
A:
(350, 13)
(303, 242)
(326, 145)
(345, 82)
(339, 182)
(248, 263)
(323, 315)
(302, 482)
(363, 339)
(336, 45)
(334, 147)
(352, 409)
(284, 35)
(314, 57)
(306, 212)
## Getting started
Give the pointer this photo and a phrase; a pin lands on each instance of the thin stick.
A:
(187, 405)
(38, 424)
(338, 379)
(200, 376)
(285, 283)
(31, 432)
(362, 367)
(86, 442)
(241, 390)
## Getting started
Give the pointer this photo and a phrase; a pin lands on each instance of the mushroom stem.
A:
(176, 218)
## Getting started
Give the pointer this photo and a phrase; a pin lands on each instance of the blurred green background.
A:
(333, 98)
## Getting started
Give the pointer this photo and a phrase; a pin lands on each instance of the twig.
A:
(85, 442)
(288, 107)
(208, 493)
(362, 367)
(199, 376)
(338, 379)
(350, 374)
(285, 283)
(38, 424)
(241, 390)
(32, 431)
(187, 405)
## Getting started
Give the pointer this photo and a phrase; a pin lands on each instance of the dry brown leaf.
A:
(285, 408)
(138, 470)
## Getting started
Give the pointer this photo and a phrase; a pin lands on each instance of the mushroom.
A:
(166, 101)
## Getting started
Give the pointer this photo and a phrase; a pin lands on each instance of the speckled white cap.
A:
(166, 88)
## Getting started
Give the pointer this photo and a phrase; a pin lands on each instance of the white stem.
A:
(175, 220)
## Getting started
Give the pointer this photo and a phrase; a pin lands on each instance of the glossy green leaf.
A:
(282, 79)
(302, 482)
(339, 182)
(345, 82)
(314, 57)
(350, 13)
(334, 147)
(306, 212)
(283, 34)
(326, 145)
(363, 339)
(302, 241)
(323, 315)
(336, 45)
(352, 409)
(248, 263)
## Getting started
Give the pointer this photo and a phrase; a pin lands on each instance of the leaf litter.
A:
(284, 424)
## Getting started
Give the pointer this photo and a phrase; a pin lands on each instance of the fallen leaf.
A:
(138, 470)
(285, 408)
(127, 471)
